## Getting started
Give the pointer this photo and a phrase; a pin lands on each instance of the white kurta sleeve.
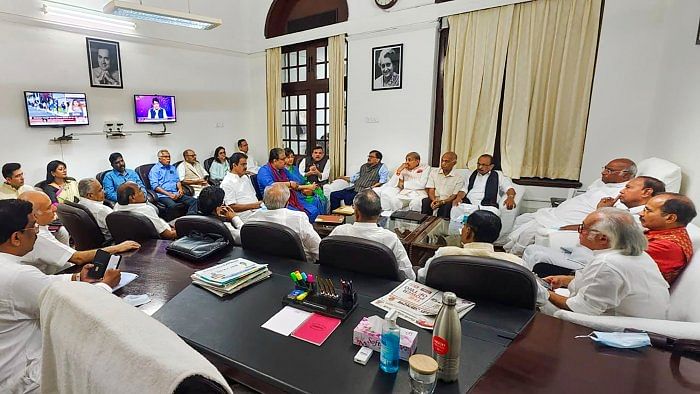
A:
(326, 172)
(602, 293)
(181, 171)
(310, 239)
(504, 183)
(405, 266)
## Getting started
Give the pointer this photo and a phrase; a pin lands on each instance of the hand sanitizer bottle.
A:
(391, 335)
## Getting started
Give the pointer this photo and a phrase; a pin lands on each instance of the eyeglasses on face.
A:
(582, 228)
(35, 227)
(608, 170)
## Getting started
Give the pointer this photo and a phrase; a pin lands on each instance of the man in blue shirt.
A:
(166, 183)
(117, 176)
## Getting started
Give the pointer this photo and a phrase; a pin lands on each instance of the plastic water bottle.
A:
(391, 338)
(447, 339)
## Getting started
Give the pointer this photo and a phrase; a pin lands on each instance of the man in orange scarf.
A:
(665, 217)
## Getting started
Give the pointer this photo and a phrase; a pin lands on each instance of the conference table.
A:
(503, 349)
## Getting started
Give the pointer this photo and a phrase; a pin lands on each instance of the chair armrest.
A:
(676, 329)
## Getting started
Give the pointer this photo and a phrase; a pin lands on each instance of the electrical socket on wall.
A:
(113, 126)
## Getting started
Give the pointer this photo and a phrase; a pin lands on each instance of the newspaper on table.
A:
(418, 304)
(230, 276)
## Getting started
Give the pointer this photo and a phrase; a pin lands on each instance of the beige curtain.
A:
(474, 66)
(273, 58)
(336, 89)
(549, 74)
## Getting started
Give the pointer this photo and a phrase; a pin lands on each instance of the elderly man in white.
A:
(20, 296)
(407, 186)
(92, 197)
(621, 280)
(238, 188)
(131, 198)
(367, 210)
(613, 178)
(632, 197)
(50, 255)
(482, 190)
(275, 199)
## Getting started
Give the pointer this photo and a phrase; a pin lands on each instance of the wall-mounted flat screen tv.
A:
(56, 109)
(154, 108)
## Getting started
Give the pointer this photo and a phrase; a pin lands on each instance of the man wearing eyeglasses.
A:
(482, 190)
(166, 183)
(613, 177)
(20, 289)
(371, 174)
(191, 172)
(632, 197)
(621, 280)
(51, 256)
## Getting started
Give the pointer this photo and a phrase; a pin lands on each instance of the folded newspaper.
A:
(418, 304)
(230, 276)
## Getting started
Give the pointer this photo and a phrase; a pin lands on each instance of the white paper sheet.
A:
(127, 277)
(286, 320)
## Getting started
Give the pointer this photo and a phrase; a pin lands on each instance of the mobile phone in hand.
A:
(102, 262)
(544, 283)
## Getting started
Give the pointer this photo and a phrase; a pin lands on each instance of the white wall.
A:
(624, 88)
(210, 88)
(393, 121)
(675, 126)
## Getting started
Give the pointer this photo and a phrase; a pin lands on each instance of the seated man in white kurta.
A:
(614, 177)
(275, 198)
(238, 188)
(632, 198)
(482, 190)
(367, 211)
(621, 280)
(407, 184)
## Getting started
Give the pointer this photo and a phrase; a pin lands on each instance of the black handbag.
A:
(197, 246)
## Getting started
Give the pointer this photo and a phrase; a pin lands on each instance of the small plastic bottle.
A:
(391, 337)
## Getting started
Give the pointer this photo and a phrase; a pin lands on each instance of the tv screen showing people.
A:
(56, 109)
(154, 108)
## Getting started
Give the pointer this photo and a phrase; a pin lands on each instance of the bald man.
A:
(191, 172)
(442, 188)
(50, 255)
(613, 177)
(131, 198)
(407, 184)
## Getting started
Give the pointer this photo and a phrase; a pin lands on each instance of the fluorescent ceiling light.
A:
(69, 15)
(160, 15)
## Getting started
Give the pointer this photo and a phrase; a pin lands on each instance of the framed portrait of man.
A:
(387, 63)
(104, 62)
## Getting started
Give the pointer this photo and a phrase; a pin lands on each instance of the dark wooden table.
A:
(546, 358)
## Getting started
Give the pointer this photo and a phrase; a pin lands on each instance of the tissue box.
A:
(369, 331)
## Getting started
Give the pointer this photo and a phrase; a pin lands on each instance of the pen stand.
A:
(330, 302)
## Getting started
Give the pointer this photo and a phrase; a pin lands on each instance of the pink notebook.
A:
(316, 329)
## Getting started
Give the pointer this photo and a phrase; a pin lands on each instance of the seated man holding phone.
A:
(20, 288)
(50, 255)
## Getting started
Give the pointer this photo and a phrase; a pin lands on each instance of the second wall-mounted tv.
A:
(154, 108)
(56, 109)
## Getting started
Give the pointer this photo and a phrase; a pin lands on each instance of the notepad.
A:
(286, 320)
(316, 329)
(126, 278)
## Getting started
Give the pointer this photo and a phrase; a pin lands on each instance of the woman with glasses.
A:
(219, 166)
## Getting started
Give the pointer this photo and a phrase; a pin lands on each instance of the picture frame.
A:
(104, 63)
(697, 38)
(387, 67)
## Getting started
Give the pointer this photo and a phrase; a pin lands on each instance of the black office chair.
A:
(358, 255)
(130, 226)
(272, 238)
(100, 176)
(197, 384)
(545, 269)
(256, 186)
(478, 278)
(207, 163)
(81, 226)
(203, 224)
(167, 214)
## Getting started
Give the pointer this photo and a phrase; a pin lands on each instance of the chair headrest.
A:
(204, 224)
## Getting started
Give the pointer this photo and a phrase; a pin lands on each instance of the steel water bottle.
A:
(447, 339)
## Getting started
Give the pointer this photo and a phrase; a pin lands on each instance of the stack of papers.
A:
(231, 276)
(418, 304)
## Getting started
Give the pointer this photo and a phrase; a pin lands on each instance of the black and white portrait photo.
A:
(386, 66)
(105, 63)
